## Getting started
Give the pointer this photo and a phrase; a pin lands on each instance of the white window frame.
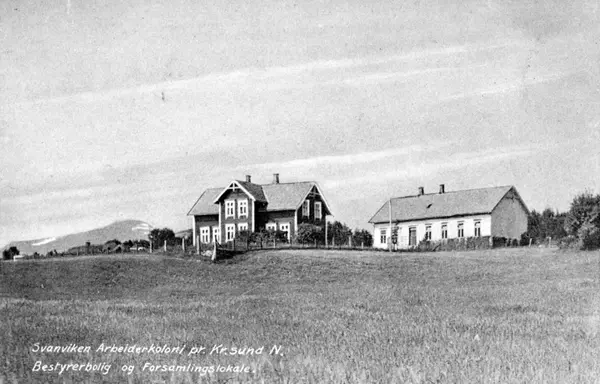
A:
(428, 232)
(289, 229)
(460, 230)
(477, 228)
(411, 229)
(383, 236)
(318, 210)
(229, 229)
(229, 207)
(242, 227)
(243, 206)
(306, 208)
(271, 227)
(205, 235)
(216, 234)
(444, 230)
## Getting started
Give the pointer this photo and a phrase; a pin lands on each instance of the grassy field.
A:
(501, 316)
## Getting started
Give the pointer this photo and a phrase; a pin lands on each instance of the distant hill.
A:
(121, 230)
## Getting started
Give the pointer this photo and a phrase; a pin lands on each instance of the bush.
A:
(589, 237)
(525, 239)
(309, 233)
(515, 243)
(10, 253)
(569, 242)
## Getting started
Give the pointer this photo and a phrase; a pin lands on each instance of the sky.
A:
(129, 109)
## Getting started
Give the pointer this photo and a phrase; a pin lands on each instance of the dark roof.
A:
(279, 197)
(286, 195)
(448, 204)
(254, 189)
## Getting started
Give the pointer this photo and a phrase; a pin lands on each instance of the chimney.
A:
(276, 178)
(248, 179)
(421, 191)
(442, 189)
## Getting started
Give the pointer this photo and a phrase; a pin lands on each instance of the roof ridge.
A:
(290, 182)
(456, 191)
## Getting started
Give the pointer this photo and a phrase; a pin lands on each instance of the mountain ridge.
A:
(122, 230)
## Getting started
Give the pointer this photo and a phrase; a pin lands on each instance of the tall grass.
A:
(497, 316)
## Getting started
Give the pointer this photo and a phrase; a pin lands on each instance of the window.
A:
(285, 227)
(382, 236)
(271, 226)
(461, 229)
(229, 208)
(216, 234)
(412, 236)
(230, 232)
(444, 230)
(306, 208)
(242, 208)
(477, 228)
(428, 232)
(205, 235)
(318, 212)
(242, 227)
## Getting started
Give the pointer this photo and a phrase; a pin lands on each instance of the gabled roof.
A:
(286, 196)
(255, 190)
(448, 204)
(278, 196)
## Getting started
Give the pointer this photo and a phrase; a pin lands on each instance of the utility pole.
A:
(326, 232)
(389, 239)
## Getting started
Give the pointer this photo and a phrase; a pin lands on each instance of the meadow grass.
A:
(497, 316)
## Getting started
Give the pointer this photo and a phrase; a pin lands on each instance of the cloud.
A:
(456, 161)
(348, 159)
(508, 87)
(258, 74)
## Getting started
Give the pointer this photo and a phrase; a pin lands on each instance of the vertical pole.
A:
(197, 243)
(389, 239)
(183, 243)
(326, 232)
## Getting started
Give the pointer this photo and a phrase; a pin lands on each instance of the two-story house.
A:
(495, 212)
(221, 213)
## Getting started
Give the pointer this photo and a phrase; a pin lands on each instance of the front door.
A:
(412, 236)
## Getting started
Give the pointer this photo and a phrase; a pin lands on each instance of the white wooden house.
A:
(495, 212)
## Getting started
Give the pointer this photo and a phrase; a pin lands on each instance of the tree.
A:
(10, 253)
(362, 236)
(549, 223)
(338, 232)
(309, 233)
(584, 211)
(159, 236)
(583, 220)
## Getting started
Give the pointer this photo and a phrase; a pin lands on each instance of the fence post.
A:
(214, 255)
(198, 244)
(350, 240)
(530, 240)
(165, 245)
(362, 245)
(183, 244)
